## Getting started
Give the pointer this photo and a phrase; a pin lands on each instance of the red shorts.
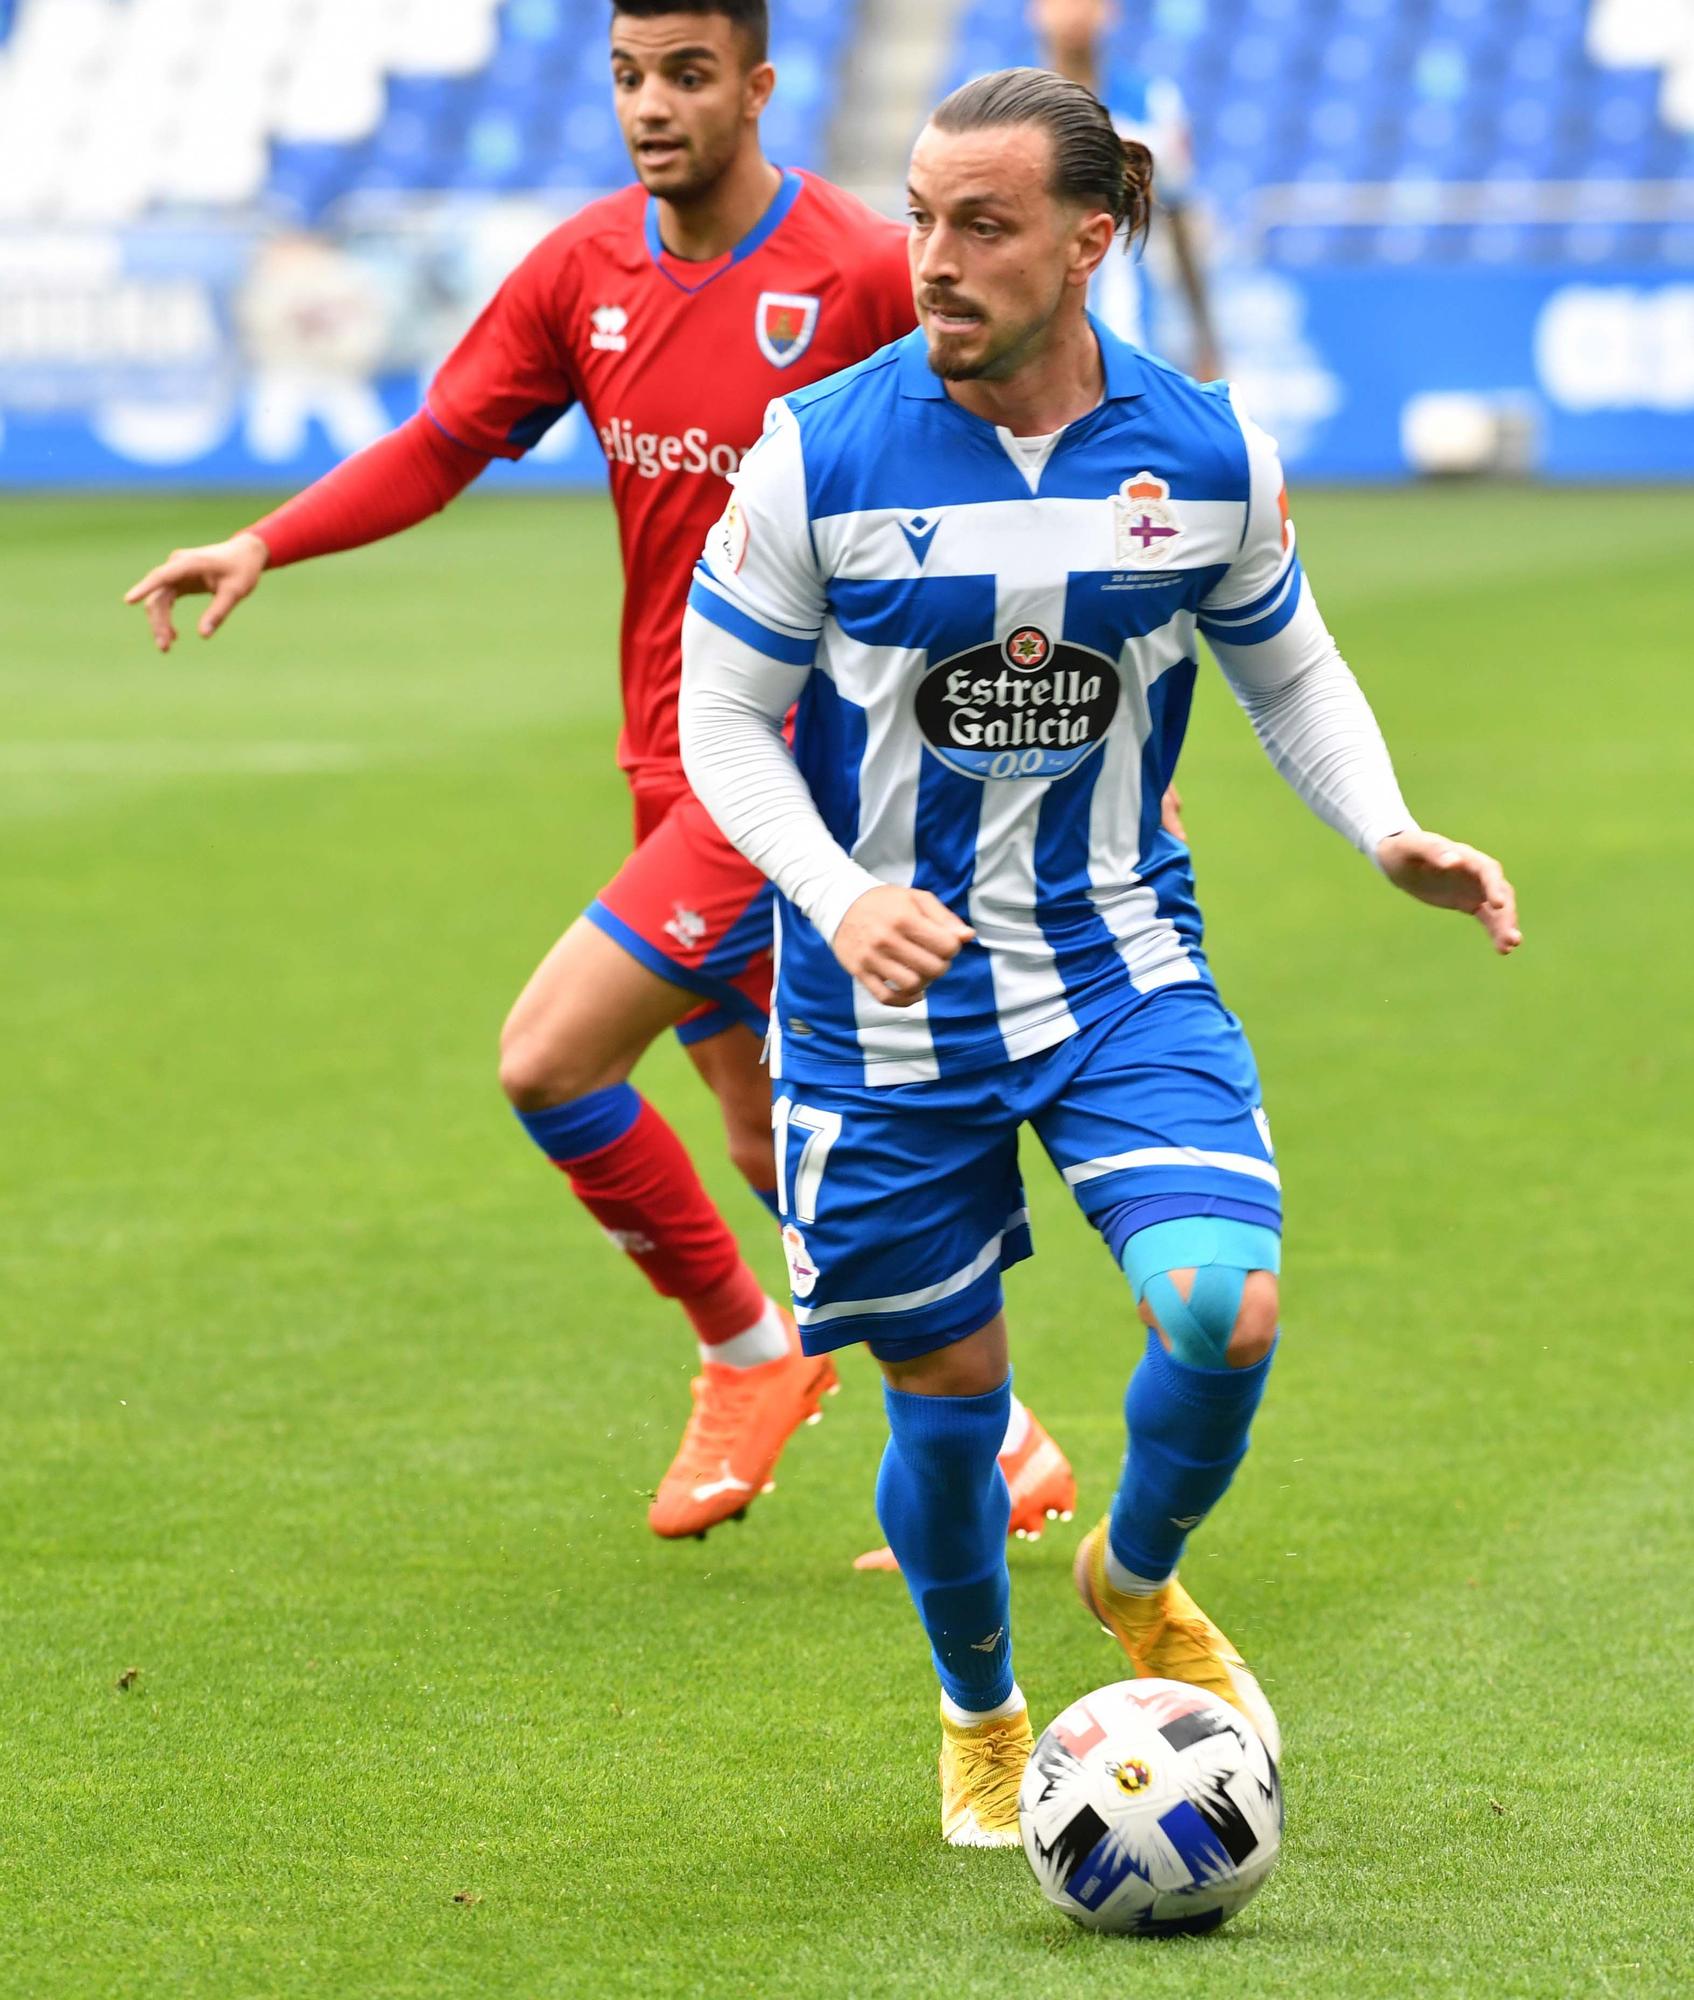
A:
(694, 911)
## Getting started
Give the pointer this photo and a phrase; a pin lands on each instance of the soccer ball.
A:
(1151, 1807)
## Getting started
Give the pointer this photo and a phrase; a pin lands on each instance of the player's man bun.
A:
(752, 17)
(1092, 164)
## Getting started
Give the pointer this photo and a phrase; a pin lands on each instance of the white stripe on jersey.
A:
(1149, 945)
(926, 1295)
(1023, 544)
(1173, 1156)
(1029, 989)
(887, 845)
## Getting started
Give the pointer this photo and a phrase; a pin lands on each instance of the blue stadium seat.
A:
(539, 114)
(1394, 91)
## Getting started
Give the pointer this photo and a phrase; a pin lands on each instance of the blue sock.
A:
(567, 1132)
(1187, 1434)
(943, 1504)
(768, 1197)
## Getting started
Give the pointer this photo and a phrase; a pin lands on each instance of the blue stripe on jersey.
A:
(762, 638)
(1093, 616)
(1193, 441)
(938, 615)
(938, 456)
(829, 747)
(1251, 624)
(1103, 608)
(1084, 951)
(941, 615)
(1166, 865)
(814, 1000)
(963, 1007)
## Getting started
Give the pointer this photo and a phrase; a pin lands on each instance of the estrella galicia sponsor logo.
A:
(1025, 707)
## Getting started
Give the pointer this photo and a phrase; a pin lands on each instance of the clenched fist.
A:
(898, 942)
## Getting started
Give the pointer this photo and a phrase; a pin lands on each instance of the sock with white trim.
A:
(944, 1506)
(765, 1340)
(965, 1718)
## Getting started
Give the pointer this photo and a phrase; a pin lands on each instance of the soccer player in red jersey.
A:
(673, 312)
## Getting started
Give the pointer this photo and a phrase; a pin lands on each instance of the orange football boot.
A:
(1043, 1489)
(742, 1419)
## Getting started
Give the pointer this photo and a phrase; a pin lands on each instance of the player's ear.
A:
(756, 88)
(1091, 242)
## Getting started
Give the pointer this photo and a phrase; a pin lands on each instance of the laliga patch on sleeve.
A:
(731, 536)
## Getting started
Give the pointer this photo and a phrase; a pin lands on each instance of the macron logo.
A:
(919, 533)
(608, 334)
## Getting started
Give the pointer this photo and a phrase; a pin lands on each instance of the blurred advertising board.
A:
(156, 356)
(195, 357)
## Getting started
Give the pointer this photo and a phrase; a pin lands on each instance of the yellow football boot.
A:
(1168, 1637)
(981, 1770)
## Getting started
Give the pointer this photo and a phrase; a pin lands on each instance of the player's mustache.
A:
(951, 303)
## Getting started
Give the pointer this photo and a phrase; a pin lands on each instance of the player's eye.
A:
(987, 231)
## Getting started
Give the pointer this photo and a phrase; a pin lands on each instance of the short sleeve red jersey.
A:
(674, 364)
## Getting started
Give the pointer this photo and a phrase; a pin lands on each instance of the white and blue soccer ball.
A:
(1150, 1807)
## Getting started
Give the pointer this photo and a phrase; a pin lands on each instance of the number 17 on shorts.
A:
(813, 1133)
(897, 1220)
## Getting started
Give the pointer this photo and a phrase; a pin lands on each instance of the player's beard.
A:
(692, 174)
(1009, 345)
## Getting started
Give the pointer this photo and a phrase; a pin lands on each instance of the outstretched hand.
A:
(225, 571)
(898, 942)
(1452, 876)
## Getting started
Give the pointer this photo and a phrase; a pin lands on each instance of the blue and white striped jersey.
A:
(1001, 659)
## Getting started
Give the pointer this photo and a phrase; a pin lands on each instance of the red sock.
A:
(643, 1191)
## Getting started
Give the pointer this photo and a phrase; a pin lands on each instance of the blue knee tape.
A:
(1220, 1252)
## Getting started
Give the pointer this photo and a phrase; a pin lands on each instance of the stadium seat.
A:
(1411, 92)
(109, 108)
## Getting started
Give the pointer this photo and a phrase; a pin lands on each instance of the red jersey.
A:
(673, 363)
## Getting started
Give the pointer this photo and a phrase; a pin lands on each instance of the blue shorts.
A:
(903, 1205)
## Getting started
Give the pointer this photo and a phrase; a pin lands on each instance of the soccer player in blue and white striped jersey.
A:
(977, 563)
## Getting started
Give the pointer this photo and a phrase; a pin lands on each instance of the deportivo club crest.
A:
(783, 325)
(1029, 707)
(1146, 524)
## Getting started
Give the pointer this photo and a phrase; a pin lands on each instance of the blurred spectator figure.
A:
(314, 325)
(1075, 38)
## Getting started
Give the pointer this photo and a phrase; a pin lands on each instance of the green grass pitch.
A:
(325, 1411)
